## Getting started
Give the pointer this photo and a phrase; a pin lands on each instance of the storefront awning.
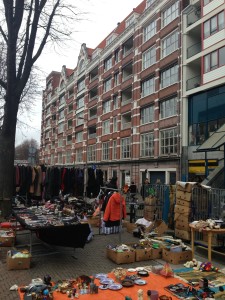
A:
(215, 141)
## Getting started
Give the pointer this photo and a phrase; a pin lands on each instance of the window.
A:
(91, 153)
(116, 79)
(149, 57)
(93, 112)
(170, 13)
(115, 124)
(69, 124)
(80, 85)
(168, 141)
(80, 118)
(214, 60)
(149, 30)
(106, 106)
(106, 127)
(130, 21)
(148, 87)
(149, 2)
(147, 144)
(60, 127)
(61, 99)
(114, 149)
(60, 141)
(80, 102)
(68, 156)
(52, 159)
(147, 114)
(169, 76)
(207, 1)
(110, 39)
(108, 63)
(168, 107)
(79, 155)
(79, 136)
(125, 148)
(61, 114)
(115, 102)
(59, 157)
(105, 151)
(70, 92)
(107, 85)
(70, 108)
(213, 25)
(69, 139)
(170, 44)
(116, 55)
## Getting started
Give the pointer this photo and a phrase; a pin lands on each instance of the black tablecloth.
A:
(69, 235)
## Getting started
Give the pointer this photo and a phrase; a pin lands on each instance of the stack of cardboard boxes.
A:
(182, 210)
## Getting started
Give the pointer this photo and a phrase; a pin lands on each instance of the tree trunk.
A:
(7, 150)
(6, 173)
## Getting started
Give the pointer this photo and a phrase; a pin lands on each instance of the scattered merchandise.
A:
(18, 260)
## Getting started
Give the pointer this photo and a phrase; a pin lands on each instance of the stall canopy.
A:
(213, 143)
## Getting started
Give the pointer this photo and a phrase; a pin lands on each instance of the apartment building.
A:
(119, 110)
(203, 99)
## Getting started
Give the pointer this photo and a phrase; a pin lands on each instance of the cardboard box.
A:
(149, 215)
(158, 226)
(182, 225)
(143, 254)
(125, 257)
(182, 217)
(181, 209)
(185, 186)
(183, 234)
(9, 240)
(156, 253)
(19, 263)
(131, 227)
(186, 196)
(176, 257)
(151, 200)
(183, 202)
(94, 221)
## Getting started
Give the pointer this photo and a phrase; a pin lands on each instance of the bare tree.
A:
(23, 151)
(25, 28)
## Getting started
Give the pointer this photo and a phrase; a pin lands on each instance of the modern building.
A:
(120, 109)
(203, 78)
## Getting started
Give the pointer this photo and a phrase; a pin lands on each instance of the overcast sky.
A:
(102, 17)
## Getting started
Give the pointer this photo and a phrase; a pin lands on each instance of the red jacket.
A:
(112, 211)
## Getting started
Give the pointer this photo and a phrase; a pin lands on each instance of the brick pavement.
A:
(87, 261)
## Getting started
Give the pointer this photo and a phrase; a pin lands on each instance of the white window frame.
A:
(79, 155)
(115, 124)
(69, 139)
(149, 31)
(168, 107)
(106, 127)
(91, 155)
(115, 101)
(108, 63)
(80, 118)
(106, 106)
(60, 158)
(105, 151)
(149, 3)
(79, 136)
(114, 149)
(60, 128)
(169, 76)
(107, 84)
(169, 141)
(147, 114)
(170, 14)
(80, 85)
(149, 57)
(125, 148)
(148, 87)
(170, 43)
(130, 21)
(147, 144)
(80, 102)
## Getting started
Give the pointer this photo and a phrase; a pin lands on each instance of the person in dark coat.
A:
(110, 187)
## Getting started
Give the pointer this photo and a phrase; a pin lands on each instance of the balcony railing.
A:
(193, 83)
(92, 135)
(124, 102)
(194, 16)
(126, 125)
(194, 49)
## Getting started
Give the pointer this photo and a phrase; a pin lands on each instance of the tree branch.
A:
(3, 84)
(3, 34)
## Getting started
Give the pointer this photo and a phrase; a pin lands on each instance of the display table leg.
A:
(210, 246)
(192, 242)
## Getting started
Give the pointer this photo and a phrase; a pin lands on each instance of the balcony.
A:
(194, 49)
(126, 125)
(193, 16)
(193, 83)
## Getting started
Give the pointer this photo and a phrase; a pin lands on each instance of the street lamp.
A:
(85, 165)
